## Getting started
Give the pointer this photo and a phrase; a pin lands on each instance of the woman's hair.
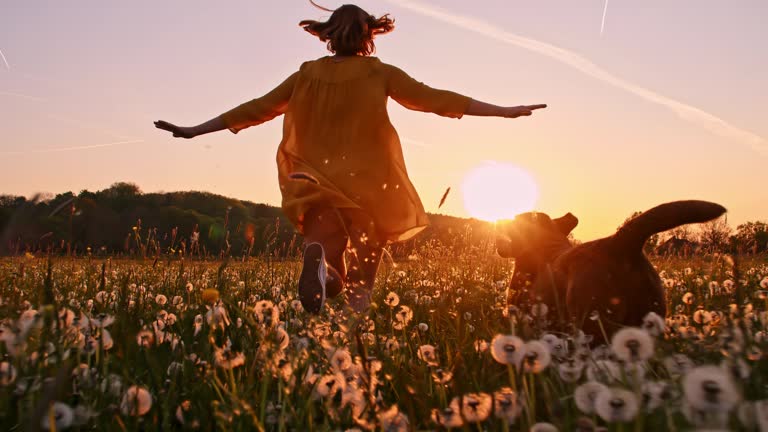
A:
(350, 30)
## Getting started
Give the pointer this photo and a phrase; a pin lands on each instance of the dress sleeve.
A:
(418, 96)
(261, 109)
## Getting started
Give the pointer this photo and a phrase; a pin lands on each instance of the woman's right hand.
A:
(177, 131)
(522, 110)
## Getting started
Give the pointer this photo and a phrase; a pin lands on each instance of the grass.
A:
(223, 345)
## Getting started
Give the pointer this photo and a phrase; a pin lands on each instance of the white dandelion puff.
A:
(710, 388)
(507, 349)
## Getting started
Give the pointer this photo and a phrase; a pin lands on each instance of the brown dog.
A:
(611, 275)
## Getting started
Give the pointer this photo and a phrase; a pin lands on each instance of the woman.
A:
(340, 164)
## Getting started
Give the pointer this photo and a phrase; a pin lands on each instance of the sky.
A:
(659, 101)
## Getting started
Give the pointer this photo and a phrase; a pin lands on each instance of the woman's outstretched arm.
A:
(254, 112)
(212, 125)
(477, 108)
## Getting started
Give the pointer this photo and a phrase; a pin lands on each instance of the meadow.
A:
(94, 343)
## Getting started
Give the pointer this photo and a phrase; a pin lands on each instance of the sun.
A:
(498, 190)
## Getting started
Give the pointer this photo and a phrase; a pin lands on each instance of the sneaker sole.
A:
(311, 287)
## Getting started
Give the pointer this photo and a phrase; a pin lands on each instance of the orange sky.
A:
(668, 103)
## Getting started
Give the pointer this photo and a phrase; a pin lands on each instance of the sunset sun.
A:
(498, 190)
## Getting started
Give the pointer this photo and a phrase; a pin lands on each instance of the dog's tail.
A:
(633, 234)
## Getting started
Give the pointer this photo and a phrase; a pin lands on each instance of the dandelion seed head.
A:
(710, 388)
(616, 405)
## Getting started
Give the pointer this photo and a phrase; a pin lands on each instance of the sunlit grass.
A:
(171, 344)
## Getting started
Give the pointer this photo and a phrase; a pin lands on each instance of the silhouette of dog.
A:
(611, 275)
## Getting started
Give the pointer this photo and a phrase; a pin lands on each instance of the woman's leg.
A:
(322, 225)
(365, 256)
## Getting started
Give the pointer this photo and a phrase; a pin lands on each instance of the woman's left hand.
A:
(178, 131)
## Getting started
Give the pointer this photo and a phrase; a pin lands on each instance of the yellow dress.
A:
(339, 148)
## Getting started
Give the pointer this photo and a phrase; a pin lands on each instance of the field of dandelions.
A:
(171, 344)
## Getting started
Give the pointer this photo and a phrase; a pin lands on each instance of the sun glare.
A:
(497, 190)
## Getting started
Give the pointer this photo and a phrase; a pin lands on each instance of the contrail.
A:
(690, 113)
(602, 24)
(64, 149)
(4, 60)
(34, 98)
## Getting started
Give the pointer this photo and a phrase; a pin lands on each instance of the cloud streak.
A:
(65, 149)
(690, 113)
(602, 22)
(7, 66)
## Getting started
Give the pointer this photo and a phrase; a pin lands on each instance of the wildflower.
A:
(557, 346)
(507, 349)
(543, 427)
(189, 287)
(341, 360)
(539, 310)
(586, 394)
(710, 388)
(535, 357)
(58, 417)
(688, 298)
(476, 407)
(764, 283)
(329, 385)
(728, 285)
(653, 324)
(225, 358)
(481, 345)
(427, 355)
(655, 394)
(282, 338)
(296, 306)
(391, 345)
(702, 317)
(402, 317)
(450, 416)
(392, 420)
(7, 374)
(678, 365)
(441, 377)
(631, 344)
(392, 299)
(182, 415)
(112, 384)
(423, 327)
(198, 323)
(161, 299)
(28, 320)
(267, 313)
(136, 401)
(570, 369)
(505, 405)
(616, 405)
(217, 316)
(145, 338)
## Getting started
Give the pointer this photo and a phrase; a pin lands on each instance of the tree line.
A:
(123, 221)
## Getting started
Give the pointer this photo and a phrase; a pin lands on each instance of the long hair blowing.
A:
(350, 30)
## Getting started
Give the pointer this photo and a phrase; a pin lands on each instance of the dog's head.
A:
(533, 236)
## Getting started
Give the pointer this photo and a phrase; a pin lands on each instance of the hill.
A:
(123, 220)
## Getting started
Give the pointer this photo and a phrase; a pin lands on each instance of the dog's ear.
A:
(566, 223)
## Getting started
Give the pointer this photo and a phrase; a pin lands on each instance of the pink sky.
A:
(615, 139)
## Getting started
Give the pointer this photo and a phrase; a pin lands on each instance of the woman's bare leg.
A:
(322, 225)
(366, 251)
